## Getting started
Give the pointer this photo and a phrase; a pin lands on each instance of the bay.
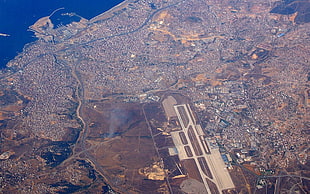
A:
(17, 15)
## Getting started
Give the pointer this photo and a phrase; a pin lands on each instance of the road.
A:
(162, 162)
(193, 133)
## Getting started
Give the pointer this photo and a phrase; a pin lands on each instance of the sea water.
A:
(17, 15)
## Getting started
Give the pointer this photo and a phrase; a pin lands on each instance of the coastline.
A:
(110, 12)
(9, 57)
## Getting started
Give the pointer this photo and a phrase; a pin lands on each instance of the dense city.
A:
(242, 67)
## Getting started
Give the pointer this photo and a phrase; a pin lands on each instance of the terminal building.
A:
(194, 149)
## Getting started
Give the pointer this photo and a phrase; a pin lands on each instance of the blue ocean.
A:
(17, 15)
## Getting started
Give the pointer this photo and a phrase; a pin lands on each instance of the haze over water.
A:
(17, 15)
